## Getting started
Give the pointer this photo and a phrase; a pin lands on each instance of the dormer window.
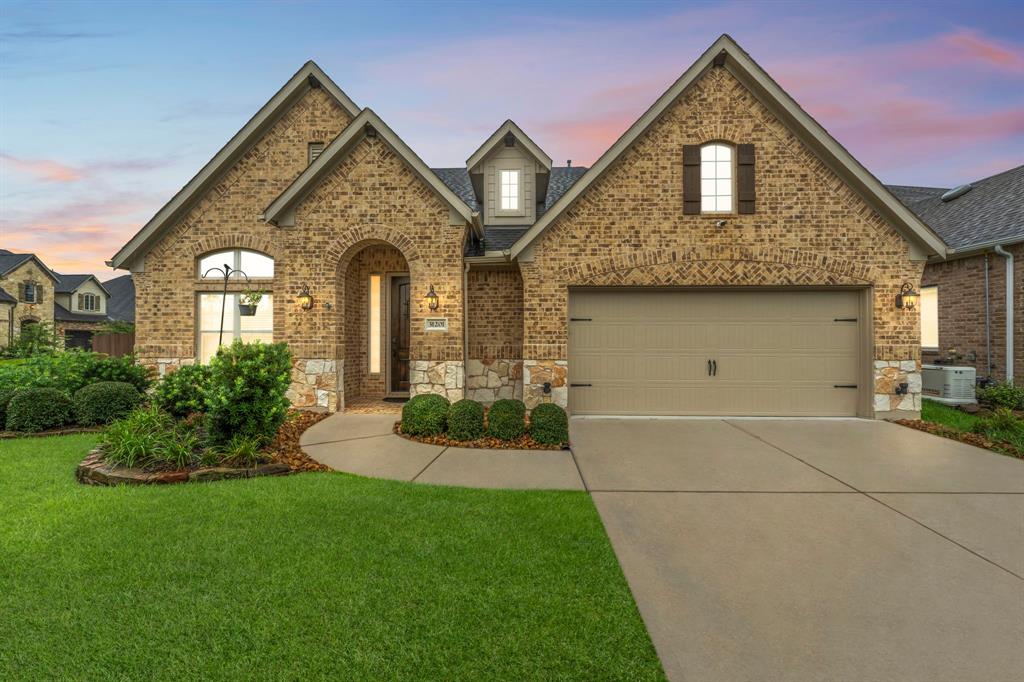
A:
(89, 302)
(509, 182)
(716, 178)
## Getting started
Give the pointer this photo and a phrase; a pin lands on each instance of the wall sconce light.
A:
(907, 298)
(305, 299)
(432, 298)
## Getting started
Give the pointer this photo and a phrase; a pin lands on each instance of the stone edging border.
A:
(5, 435)
(94, 471)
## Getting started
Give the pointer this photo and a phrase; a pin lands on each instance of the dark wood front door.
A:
(400, 334)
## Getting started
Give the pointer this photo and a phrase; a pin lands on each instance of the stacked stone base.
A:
(315, 384)
(492, 379)
(443, 377)
(545, 381)
(889, 375)
(94, 471)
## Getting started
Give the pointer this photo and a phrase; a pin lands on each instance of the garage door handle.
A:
(581, 319)
(844, 386)
(709, 368)
(714, 368)
(579, 385)
(845, 319)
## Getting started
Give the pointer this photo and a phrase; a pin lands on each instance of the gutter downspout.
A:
(988, 324)
(998, 248)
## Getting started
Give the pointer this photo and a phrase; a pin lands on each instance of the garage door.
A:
(670, 352)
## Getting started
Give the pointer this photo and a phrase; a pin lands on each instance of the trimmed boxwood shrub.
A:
(425, 415)
(105, 401)
(246, 394)
(466, 420)
(183, 391)
(549, 424)
(38, 409)
(506, 419)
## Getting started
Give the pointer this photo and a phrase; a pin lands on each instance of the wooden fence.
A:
(114, 345)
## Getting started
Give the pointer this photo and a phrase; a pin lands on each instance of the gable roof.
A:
(309, 76)
(10, 261)
(278, 211)
(67, 284)
(992, 212)
(497, 138)
(562, 178)
(121, 305)
(741, 65)
(6, 297)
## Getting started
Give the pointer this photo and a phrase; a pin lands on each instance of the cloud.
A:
(973, 45)
(42, 169)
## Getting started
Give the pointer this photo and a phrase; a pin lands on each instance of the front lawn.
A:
(303, 577)
(937, 413)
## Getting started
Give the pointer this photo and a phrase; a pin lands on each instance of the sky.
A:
(107, 109)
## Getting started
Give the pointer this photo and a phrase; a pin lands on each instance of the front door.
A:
(400, 334)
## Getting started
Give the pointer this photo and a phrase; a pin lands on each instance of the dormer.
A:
(510, 174)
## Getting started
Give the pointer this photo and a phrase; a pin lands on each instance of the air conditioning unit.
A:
(948, 384)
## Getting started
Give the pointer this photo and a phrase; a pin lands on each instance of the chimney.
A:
(568, 163)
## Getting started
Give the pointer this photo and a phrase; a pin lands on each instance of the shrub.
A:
(105, 401)
(34, 340)
(242, 450)
(466, 420)
(549, 424)
(73, 369)
(506, 419)
(425, 415)
(1003, 394)
(183, 391)
(123, 369)
(38, 409)
(1002, 426)
(149, 437)
(6, 393)
(246, 393)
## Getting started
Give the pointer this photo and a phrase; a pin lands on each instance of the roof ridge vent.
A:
(957, 192)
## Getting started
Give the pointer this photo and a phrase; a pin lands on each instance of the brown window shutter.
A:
(21, 292)
(745, 177)
(39, 292)
(691, 179)
(81, 302)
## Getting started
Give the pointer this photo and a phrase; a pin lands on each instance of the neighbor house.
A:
(75, 305)
(972, 303)
(724, 256)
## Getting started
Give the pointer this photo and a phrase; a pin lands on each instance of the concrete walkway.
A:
(365, 444)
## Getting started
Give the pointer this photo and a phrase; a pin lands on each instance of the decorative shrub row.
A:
(432, 415)
(71, 370)
(43, 408)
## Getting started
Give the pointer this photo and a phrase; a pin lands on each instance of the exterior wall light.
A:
(305, 299)
(432, 298)
(907, 298)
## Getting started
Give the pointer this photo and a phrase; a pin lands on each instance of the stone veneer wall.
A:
(443, 377)
(491, 379)
(41, 312)
(495, 368)
(537, 373)
(628, 229)
(889, 374)
(315, 384)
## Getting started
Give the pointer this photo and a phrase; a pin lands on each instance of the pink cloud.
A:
(982, 49)
(43, 169)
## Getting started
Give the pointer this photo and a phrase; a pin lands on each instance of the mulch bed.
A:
(526, 442)
(52, 432)
(975, 439)
(285, 446)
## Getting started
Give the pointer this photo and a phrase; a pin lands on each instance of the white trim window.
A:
(510, 189)
(259, 327)
(716, 178)
(930, 318)
(253, 263)
(90, 302)
(376, 314)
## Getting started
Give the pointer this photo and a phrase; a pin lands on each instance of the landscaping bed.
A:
(1001, 430)
(432, 419)
(524, 442)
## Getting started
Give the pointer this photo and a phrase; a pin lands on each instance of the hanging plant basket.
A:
(246, 310)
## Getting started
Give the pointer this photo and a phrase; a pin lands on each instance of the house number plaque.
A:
(436, 324)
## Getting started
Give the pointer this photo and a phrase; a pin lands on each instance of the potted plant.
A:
(248, 302)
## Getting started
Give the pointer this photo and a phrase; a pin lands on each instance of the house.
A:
(75, 305)
(724, 256)
(972, 303)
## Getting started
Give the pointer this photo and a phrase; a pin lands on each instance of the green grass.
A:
(938, 413)
(303, 577)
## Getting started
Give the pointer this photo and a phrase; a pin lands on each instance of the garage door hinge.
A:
(581, 319)
(844, 386)
(571, 385)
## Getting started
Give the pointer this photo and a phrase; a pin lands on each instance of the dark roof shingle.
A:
(121, 304)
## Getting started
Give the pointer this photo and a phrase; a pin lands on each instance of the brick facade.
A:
(809, 229)
(961, 295)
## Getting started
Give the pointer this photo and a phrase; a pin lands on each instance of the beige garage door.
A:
(670, 352)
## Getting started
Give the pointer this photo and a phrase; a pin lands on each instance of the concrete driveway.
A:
(813, 549)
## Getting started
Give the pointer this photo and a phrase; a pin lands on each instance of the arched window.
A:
(717, 193)
(252, 263)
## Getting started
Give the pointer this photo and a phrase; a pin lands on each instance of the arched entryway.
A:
(375, 285)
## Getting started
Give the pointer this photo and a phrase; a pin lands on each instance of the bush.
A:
(149, 437)
(183, 391)
(425, 415)
(1003, 426)
(105, 401)
(73, 369)
(466, 420)
(242, 451)
(506, 419)
(1003, 394)
(34, 340)
(6, 393)
(549, 424)
(38, 409)
(246, 392)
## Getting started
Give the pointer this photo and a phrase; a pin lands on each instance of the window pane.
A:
(262, 321)
(723, 170)
(209, 313)
(723, 188)
(707, 203)
(265, 337)
(707, 188)
(707, 152)
(707, 170)
(257, 265)
(930, 317)
(217, 259)
(724, 204)
(208, 346)
(723, 153)
(374, 332)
